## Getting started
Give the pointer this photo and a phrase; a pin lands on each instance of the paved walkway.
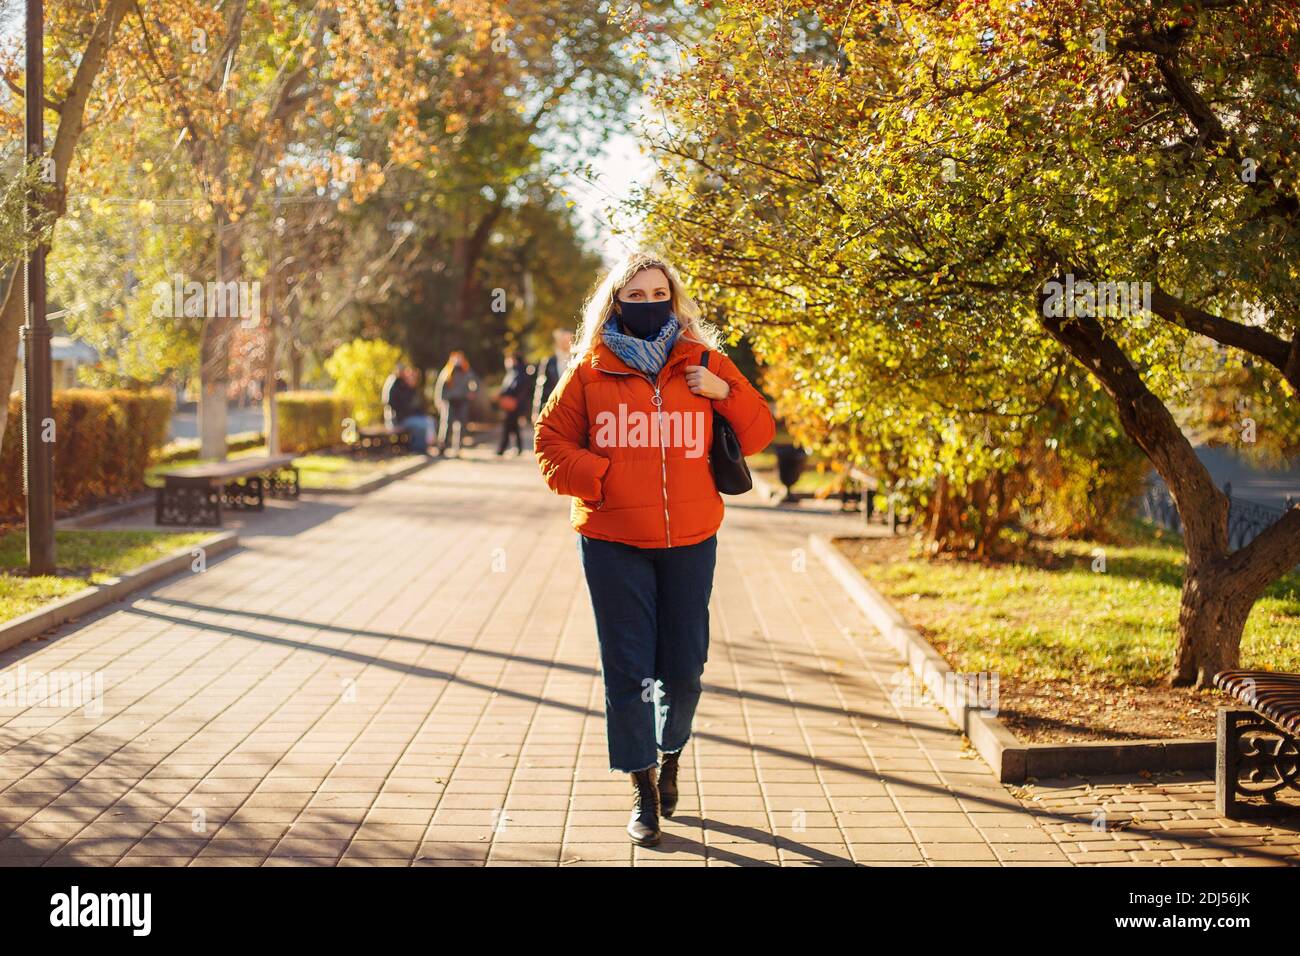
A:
(412, 678)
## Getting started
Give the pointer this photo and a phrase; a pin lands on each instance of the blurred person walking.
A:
(552, 369)
(453, 390)
(511, 398)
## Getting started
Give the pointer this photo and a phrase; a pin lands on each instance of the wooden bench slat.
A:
(234, 468)
(1275, 695)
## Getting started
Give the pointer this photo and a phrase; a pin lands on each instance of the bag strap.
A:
(704, 359)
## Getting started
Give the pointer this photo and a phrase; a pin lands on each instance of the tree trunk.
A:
(270, 423)
(1219, 594)
(1219, 588)
(214, 392)
(214, 348)
(11, 323)
(1211, 620)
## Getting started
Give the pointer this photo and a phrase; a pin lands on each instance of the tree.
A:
(962, 191)
(232, 101)
(78, 43)
(514, 118)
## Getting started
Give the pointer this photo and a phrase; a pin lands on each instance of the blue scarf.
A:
(647, 356)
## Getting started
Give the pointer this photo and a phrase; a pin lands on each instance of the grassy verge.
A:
(315, 471)
(1080, 653)
(84, 558)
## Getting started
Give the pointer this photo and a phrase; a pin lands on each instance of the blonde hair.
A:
(600, 304)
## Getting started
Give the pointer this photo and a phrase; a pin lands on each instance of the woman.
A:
(626, 434)
(404, 406)
(456, 383)
(514, 391)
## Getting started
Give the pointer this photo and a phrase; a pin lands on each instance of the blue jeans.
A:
(419, 426)
(454, 418)
(652, 621)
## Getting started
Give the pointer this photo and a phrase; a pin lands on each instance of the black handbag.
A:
(730, 470)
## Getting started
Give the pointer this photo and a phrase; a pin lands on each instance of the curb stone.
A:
(1012, 760)
(90, 599)
(417, 463)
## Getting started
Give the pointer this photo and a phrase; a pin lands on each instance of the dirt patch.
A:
(1064, 711)
(1060, 712)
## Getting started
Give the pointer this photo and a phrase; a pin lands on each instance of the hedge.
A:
(310, 420)
(104, 440)
(185, 449)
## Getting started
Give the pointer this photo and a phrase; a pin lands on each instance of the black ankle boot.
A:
(643, 828)
(668, 783)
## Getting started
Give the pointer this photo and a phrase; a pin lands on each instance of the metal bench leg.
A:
(1255, 759)
(245, 494)
(1227, 763)
(284, 483)
(187, 506)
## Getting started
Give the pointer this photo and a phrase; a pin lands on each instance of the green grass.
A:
(315, 471)
(84, 558)
(334, 471)
(1067, 621)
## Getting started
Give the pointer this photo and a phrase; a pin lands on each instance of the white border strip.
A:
(60, 612)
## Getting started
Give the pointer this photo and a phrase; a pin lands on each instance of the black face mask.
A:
(644, 319)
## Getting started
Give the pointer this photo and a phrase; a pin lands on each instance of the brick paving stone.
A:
(360, 685)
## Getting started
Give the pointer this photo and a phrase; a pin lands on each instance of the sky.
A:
(620, 167)
(11, 32)
(11, 20)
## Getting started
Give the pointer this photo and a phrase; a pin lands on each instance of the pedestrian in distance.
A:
(551, 370)
(453, 390)
(404, 406)
(512, 398)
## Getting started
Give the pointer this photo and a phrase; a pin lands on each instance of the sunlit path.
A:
(413, 678)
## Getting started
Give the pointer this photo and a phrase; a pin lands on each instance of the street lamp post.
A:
(38, 421)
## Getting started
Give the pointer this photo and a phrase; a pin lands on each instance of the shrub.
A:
(310, 420)
(104, 441)
(359, 369)
(184, 449)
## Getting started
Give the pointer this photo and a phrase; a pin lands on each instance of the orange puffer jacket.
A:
(635, 476)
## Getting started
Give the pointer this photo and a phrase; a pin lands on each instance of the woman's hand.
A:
(703, 382)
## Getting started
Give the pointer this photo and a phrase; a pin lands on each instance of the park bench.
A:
(1258, 749)
(381, 441)
(195, 494)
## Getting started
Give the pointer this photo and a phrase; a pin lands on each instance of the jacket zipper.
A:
(658, 403)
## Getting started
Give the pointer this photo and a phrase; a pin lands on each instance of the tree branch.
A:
(55, 106)
(1248, 338)
(1202, 506)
